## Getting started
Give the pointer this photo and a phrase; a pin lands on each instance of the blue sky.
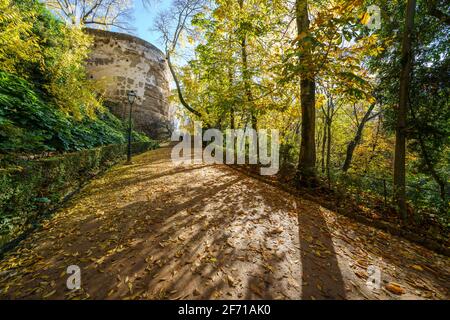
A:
(144, 18)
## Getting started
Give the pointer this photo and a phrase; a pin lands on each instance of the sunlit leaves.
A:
(18, 44)
(35, 45)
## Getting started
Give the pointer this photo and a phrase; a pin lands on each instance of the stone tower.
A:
(122, 62)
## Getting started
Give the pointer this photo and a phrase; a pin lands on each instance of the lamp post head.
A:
(131, 96)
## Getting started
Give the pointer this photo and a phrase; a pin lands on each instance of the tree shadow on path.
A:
(321, 275)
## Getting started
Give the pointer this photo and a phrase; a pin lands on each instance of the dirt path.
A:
(158, 231)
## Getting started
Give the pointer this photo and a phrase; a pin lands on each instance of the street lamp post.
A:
(131, 98)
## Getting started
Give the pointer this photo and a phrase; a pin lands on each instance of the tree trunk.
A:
(324, 142)
(306, 174)
(232, 120)
(430, 167)
(441, 182)
(356, 140)
(247, 86)
(230, 84)
(400, 141)
(329, 116)
(180, 93)
(374, 144)
(329, 123)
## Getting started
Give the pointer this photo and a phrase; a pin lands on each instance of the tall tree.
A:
(358, 136)
(171, 24)
(400, 141)
(307, 161)
(246, 77)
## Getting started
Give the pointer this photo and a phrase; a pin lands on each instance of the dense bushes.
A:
(36, 46)
(32, 188)
(28, 124)
(47, 102)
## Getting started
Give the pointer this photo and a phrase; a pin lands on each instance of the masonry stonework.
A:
(123, 62)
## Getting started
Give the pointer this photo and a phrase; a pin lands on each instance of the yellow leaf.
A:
(417, 267)
(231, 281)
(395, 288)
(365, 19)
(300, 37)
(49, 294)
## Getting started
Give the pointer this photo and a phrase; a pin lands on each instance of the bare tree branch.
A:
(105, 13)
(171, 24)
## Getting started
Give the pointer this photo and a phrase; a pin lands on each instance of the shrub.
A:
(29, 189)
(37, 46)
(28, 124)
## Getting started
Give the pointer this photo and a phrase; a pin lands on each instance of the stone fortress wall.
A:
(123, 62)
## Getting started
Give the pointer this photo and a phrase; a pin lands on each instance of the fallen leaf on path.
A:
(361, 274)
(256, 290)
(231, 281)
(277, 230)
(395, 288)
(417, 267)
(49, 294)
(110, 292)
